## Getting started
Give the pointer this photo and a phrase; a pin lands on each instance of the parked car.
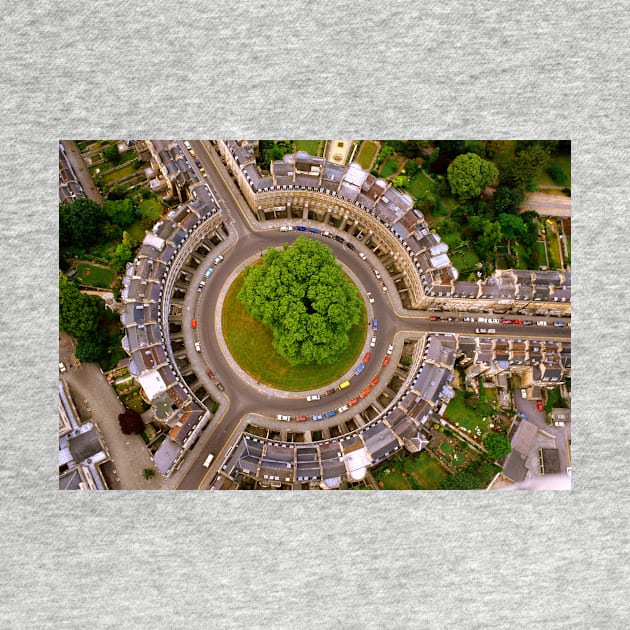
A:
(194, 323)
(202, 284)
(301, 228)
(318, 416)
(362, 256)
(339, 239)
(367, 357)
(350, 246)
(300, 418)
(559, 324)
(375, 324)
(384, 288)
(286, 228)
(539, 405)
(313, 230)
(331, 413)
(390, 348)
(359, 369)
(541, 322)
(386, 360)
(342, 408)
(330, 391)
(365, 392)
(353, 402)
(327, 234)
(433, 318)
(370, 297)
(523, 393)
(374, 381)
(377, 274)
(210, 373)
(209, 272)
(62, 367)
(312, 397)
(197, 346)
(372, 342)
(218, 259)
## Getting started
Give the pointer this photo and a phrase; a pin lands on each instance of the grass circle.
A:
(250, 344)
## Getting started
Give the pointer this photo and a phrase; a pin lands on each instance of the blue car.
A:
(314, 230)
(375, 324)
(318, 416)
(209, 272)
(331, 413)
(359, 369)
(300, 228)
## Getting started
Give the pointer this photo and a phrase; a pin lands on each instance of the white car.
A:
(390, 349)
(286, 228)
(469, 319)
(494, 321)
(384, 288)
(342, 408)
(377, 274)
(62, 367)
(218, 259)
(542, 322)
(370, 297)
(197, 346)
(481, 319)
(373, 342)
(283, 417)
(362, 256)
(313, 397)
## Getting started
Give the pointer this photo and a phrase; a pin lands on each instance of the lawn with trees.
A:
(366, 154)
(468, 175)
(251, 345)
(302, 295)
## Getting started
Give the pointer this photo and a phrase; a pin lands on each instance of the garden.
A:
(420, 471)
(366, 154)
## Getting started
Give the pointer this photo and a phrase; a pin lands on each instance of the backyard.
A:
(366, 154)
(94, 275)
(419, 184)
(390, 166)
(419, 471)
(312, 147)
(469, 413)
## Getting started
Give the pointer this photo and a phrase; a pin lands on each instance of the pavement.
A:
(81, 170)
(547, 204)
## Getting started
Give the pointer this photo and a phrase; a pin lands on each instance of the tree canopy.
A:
(79, 314)
(80, 223)
(468, 175)
(130, 422)
(497, 445)
(120, 212)
(303, 296)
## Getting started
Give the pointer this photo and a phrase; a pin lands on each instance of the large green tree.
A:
(80, 223)
(497, 445)
(303, 296)
(525, 167)
(120, 212)
(468, 175)
(79, 314)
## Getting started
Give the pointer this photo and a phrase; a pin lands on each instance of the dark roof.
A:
(85, 445)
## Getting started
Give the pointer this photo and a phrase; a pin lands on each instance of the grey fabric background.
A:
(313, 560)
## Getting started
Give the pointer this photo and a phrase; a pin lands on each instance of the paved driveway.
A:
(128, 452)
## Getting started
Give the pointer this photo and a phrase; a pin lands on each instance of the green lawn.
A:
(94, 276)
(250, 344)
(469, 417)
(121, 173)
(419, 184)
(151, 208)
(554, 248)
(422, 471)
(390, 166)
(136, 231)
(563, 161)
(540, 249)
(366, 154)
(464, 259)
(312, 147)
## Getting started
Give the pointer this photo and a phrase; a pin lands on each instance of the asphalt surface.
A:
(243, 395)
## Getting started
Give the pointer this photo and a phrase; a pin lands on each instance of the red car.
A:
(353, 402)
(518, 321)
(210, 373)
(374, 381)
(386, 360)
(507, 321)
(300, 418)
(365, 392)
(539, 405)
(194, 323)
(367, 357)
(433, 318)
